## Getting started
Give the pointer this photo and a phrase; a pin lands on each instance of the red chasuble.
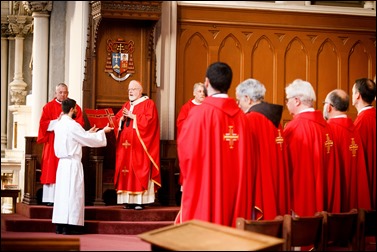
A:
(49, 162)
(350, 165)
(217, 164)
(310, 155)
(180, 119)
(272, 185)
(183, 114)
(365, 123)
(138, 149)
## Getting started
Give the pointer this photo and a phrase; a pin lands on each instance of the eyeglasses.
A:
(133, 89)
(325, 102)
(287, 99)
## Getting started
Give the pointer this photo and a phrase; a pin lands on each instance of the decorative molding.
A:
(141, 10)
(37, 6)
(20, 25)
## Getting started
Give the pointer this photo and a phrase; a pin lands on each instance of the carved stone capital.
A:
(4, 29)
(20, 25)
(38, 6)
(17, 97)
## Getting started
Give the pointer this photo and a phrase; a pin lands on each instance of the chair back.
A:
(367, 224)
(305, 231)
(340, 230)
(268, 227)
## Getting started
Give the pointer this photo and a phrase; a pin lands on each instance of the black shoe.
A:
(50, 204)
(59, 228)
(72, 230)
(129, 206)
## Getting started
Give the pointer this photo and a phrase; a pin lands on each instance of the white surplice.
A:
(70, 137)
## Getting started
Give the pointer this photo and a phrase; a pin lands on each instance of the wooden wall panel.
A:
(110, 92)
(263, 57)
(329, 51)
(195, 59)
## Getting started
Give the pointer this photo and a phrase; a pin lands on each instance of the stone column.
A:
(19, 26)
(4, 82)
(40, 10)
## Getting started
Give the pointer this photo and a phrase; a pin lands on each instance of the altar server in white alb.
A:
(70, 137)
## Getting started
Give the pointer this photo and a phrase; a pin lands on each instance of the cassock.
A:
(350, 168)
(365, 123)
(49, 163)
(272, 185)
(137, 169)
(181, 118)
(70, 137)
(214, 151)
(310, 156)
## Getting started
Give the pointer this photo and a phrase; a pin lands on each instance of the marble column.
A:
(40, 10)
(4, 84)
(18, 26)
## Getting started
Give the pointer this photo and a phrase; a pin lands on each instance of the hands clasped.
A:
(127, 113)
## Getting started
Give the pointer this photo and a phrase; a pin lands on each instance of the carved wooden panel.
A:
(329, 51)
(132, 22)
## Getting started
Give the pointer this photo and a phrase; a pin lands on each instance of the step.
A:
(19, 223)
(98, 219)
(110, 213)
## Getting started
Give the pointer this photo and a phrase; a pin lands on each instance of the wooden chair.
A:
(268, 227)
(367, 225)
(305, 231)
(340, 231)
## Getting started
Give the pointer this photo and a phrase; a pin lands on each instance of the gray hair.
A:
(251, 88)
(197, 85)
(302, 89)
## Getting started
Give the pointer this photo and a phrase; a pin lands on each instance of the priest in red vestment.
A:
(215, 156)
(49, 162)
(199, 93)
(137, 167)
(363, 95)
(310, 153)
(350, 165)
(272, 185)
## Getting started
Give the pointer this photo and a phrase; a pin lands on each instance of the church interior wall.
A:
(197, 22)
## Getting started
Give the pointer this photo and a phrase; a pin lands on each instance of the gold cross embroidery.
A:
(329, 143)
(124, 171)
(126, 144)
(279, 139)
(353, 147)
(231, 137)
(110, 116)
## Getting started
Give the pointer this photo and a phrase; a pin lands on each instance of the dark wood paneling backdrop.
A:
(330, 51)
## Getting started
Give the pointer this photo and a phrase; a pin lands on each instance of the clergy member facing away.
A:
(310, 153)
(272, 185)
(351, 172)
(214, 149)
(137, 167)
(49, 163)
(70, 137)
(363, 95)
